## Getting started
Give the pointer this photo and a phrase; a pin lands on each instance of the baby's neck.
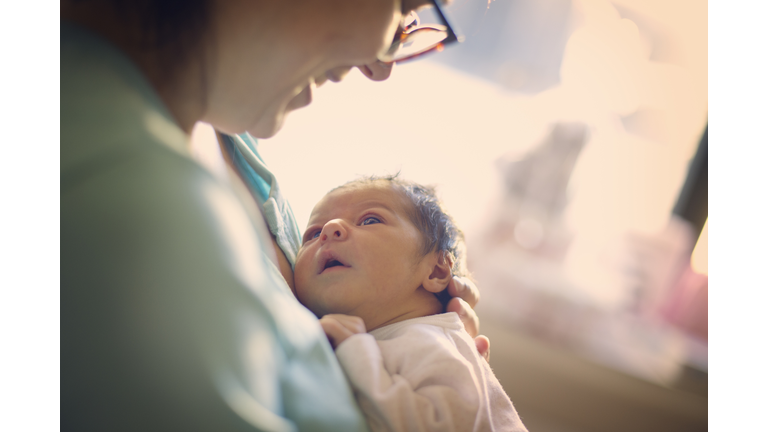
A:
(424, 303)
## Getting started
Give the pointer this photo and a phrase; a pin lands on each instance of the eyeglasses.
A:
(414, 39)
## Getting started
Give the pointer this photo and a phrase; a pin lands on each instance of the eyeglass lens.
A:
(419, 33)
(418, 41)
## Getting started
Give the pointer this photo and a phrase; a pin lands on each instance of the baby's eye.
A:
(370, 220)
(313, 235)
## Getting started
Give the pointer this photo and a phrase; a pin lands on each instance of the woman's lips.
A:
(337, 74)
(302, 99)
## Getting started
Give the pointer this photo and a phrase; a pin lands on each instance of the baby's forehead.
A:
(358, 196)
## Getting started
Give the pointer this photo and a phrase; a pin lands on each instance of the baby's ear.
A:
(442, 263)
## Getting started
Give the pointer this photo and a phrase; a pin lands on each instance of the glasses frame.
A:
(453, 37)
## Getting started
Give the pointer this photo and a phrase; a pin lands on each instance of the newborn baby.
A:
(375, 257)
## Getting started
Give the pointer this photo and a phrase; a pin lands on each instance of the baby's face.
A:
(361, 255)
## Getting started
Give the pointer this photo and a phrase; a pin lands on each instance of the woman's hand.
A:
(465, 296)
(339, 327)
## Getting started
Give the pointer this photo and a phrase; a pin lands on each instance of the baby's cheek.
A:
(299, 273)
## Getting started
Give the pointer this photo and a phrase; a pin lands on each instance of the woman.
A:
(177, 312)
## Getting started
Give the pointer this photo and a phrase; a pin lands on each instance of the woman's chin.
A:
(269, 126)
(267, 129)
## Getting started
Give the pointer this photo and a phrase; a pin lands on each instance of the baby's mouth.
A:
(331, 262)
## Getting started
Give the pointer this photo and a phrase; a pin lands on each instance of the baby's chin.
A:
(316, 305)
(323, 306)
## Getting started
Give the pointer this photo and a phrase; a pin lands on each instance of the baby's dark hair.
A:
(438, 229)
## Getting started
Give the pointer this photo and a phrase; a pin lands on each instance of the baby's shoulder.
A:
(428, 348)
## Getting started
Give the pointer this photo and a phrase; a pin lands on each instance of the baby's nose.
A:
(333, 230)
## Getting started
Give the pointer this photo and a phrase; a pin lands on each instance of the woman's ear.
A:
(442, 263)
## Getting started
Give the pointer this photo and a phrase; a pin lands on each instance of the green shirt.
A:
(172, 316)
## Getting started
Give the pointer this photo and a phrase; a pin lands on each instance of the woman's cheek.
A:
(389, 31)
(371, 32)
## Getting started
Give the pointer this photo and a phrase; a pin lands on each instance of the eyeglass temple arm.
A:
(452, 36)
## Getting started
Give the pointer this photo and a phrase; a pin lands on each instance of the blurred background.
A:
(569, 140)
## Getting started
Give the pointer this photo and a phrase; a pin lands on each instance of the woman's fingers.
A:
(465, 297)
(467, 315)
(483, 345)
(464, 289)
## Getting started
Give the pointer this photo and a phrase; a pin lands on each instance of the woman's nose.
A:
(377, 71)
(333, 230)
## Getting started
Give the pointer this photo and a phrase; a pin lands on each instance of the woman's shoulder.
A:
(110, 114)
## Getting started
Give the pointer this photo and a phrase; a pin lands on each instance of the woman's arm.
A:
(172, 319)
